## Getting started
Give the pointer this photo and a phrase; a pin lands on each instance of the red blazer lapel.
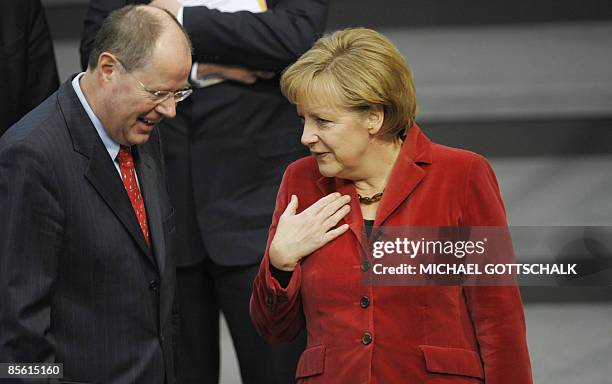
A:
(354, 218)
(407, 173)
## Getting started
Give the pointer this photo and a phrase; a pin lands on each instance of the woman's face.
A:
(338, 138)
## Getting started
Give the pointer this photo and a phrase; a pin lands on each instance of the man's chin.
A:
(139, 138)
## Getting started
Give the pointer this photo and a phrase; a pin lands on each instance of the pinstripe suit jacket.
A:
(78, 284)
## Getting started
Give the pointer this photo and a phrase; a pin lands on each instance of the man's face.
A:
(133, 110)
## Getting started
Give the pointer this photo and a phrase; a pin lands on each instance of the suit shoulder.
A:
(461, 167)
(35, 128)
(455, 157)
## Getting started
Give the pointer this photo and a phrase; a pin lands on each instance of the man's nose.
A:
(167, 107)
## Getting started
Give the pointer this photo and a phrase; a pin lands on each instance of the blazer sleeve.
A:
(269, 40)
(30, 242)
(275, 311)
(496, 311)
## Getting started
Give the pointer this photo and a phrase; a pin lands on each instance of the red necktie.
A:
(128, 175)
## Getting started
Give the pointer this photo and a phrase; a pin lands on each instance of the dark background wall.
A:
(418, 13)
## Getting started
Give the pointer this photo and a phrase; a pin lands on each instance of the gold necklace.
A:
(370, 200)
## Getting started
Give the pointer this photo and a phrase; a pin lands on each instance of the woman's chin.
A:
(328, 171)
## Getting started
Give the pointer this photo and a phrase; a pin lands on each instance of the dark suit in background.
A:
(226, 152)
(28, 73)
(78, 284)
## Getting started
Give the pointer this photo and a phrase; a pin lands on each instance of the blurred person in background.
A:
(28, 73)
(372, 167)
(225, 155)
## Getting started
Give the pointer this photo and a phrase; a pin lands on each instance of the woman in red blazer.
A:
(372, 167)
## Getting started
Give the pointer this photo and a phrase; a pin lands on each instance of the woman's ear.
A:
(376, 117)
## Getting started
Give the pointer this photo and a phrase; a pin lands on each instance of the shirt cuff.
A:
(179, 15)
(194, 73)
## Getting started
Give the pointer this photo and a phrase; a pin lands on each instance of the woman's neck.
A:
(378, 169)
(378, 163)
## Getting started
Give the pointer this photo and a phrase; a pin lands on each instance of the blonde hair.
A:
(356, 68)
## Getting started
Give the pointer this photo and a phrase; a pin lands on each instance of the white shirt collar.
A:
(111, 145)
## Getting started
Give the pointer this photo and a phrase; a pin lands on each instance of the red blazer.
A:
(386, 335)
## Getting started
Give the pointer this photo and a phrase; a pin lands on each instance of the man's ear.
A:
(376, 117)
(107, 66)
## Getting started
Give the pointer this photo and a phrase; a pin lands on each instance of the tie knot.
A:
(125, 155)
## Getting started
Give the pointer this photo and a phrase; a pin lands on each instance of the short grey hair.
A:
(130, 33)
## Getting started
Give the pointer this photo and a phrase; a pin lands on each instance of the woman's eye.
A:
(319, 121)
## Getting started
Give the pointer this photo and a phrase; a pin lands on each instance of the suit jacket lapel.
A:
(406, 174)
(100, 170)
(149, 187)
(354, 218)
(103, 175)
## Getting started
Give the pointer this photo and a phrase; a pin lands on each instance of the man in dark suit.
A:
(86, 276)
(225, 153)
(28, 74)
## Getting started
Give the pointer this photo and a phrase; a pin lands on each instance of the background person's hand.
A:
(298, 235)
(228, 72)
(172, 6)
